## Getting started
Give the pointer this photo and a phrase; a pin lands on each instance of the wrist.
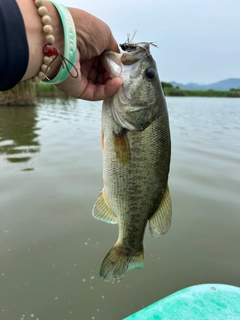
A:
(70, 46)
(59, 38)
(36, 37)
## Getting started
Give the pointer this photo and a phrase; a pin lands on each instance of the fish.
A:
(136, 153)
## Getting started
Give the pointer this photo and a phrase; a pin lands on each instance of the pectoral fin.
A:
(160, 222)
(102, 211)
(121, 146)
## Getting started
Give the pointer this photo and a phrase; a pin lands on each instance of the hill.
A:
(224, 85)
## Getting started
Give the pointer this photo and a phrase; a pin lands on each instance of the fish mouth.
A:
(114, 62)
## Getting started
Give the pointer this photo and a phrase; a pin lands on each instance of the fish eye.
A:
(150, 74)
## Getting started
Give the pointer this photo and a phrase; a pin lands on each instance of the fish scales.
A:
(136, 160)
(141, 178)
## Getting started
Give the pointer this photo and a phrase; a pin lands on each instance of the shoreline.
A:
(27, 94)
(171, 91)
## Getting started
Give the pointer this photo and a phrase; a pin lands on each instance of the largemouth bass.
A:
(136, 150)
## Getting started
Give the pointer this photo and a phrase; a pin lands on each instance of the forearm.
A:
(22, 40)
(36, 37)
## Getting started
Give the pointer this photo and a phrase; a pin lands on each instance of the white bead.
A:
(42, 11)
(41, 75)
(46, 20)
(36, 79)
(48, 29)
(44, 68)
(47, 60)
(39, 3)
(50, 39)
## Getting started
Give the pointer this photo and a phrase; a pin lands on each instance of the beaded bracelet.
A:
(50, 52)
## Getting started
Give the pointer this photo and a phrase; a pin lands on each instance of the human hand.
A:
(93, 38)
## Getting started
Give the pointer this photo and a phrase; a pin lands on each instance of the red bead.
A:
(49, 50)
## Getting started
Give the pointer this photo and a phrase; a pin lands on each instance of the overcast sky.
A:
(198, 40)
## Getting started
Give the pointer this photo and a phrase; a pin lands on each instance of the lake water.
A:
(51, 247)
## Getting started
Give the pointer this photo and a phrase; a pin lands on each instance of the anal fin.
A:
(102, 211)
(160, 222)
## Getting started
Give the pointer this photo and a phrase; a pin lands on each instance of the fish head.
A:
(136, 103)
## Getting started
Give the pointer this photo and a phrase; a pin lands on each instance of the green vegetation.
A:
(49, 91)
(28, 94)
(21, 95)
(169, 90)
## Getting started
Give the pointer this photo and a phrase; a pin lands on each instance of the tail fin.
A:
(116, 263)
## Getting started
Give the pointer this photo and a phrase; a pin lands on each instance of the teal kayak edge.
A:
(203, 302)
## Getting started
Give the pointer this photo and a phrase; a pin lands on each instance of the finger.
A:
(113, 45)
(95, 72)
(100, 91)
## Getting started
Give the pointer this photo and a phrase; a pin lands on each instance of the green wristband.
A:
(70, 43)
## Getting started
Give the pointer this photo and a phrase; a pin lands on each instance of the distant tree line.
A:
(27, 94)
(169, 90)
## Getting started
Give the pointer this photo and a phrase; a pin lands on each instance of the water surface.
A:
(50, 176)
